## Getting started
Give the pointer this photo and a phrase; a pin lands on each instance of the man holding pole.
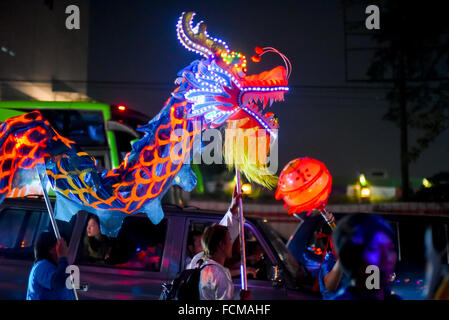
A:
(47, 280)
(216, 280)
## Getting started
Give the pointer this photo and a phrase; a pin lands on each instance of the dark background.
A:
(324, 117)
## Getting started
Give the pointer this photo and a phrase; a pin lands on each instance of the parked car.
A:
(146, 256)
(308, 245)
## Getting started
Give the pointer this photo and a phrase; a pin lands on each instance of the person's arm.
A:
(231, 218)
(332, 278)
(249, 271)
(59, 276)
(50, 277)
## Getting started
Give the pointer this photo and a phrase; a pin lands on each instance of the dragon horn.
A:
(196, 39)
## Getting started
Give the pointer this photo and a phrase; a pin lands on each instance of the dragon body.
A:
(211, 93)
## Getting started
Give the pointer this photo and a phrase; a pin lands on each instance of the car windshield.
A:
(292, 266)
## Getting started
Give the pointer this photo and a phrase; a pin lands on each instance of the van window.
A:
(412, 240)
(11, 222)
(30, 230)
(257, 262)
(19, 229)
(139, 245)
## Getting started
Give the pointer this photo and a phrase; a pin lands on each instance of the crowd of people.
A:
(358, 242)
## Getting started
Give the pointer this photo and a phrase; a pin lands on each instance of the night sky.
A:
(323, 117)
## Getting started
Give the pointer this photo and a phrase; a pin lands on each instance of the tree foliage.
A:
(418, 33)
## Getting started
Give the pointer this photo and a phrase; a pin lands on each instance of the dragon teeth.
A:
(265, 100)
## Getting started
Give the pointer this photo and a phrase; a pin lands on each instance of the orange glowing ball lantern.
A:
(304, 185)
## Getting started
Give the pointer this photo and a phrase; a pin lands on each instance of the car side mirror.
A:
(277, 278)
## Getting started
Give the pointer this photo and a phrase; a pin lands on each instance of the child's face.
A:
(93, 228)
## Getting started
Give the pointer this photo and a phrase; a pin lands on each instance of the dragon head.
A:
(220, 91)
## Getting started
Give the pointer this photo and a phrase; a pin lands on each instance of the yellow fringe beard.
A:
(247, 150)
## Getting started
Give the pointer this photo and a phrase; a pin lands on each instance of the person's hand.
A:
(252, 272)
(61, 249)
(234, 207)
(245, 295)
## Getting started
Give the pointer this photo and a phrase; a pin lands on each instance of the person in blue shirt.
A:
(47, 279)
(362, 241)
(331, 277)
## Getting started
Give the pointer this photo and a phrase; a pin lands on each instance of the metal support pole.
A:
(244, 283)
(329, 218)
(53, 222)
(49, 208)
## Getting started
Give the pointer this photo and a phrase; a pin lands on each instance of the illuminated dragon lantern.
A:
(213, 92)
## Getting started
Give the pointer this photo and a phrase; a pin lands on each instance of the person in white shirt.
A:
(230, 220)
(216, 280)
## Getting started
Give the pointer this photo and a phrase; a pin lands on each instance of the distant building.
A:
(376, 185)
(40, 59)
